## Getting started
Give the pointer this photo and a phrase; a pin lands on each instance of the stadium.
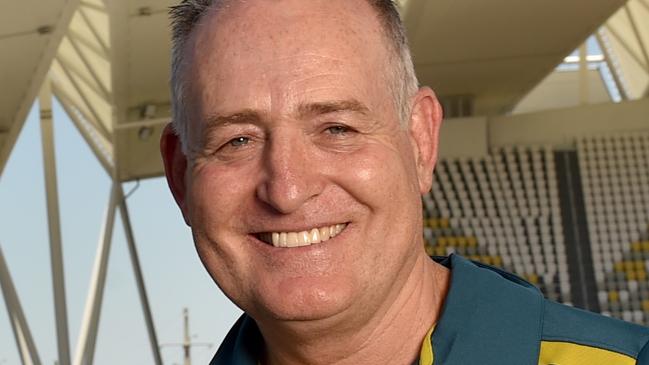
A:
(543, 164)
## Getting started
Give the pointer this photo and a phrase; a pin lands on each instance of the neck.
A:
(393, 334)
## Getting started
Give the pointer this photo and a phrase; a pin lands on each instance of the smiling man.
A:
(299, 150)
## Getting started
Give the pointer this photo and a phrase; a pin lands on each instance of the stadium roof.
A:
(108, 62)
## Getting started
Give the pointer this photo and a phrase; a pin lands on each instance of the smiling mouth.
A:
(303, 238)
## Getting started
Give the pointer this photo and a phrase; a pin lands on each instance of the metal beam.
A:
(90, 325)
(96, 48)
(139, 278)
(22, 335)
(93, 6)
(54, 224)
(95, 33)
(143, 123)
(87, 131)
(18, 118)
(101, 127)
(638, 36)
(615, 71)
(88, 81)
(82, 56)
(627, 47)
(583, 75)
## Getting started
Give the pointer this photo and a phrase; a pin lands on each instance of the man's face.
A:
(295, 132)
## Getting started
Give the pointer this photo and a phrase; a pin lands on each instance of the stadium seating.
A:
(502, 210)
(615, 178)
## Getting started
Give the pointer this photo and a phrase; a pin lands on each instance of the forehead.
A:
(341, 21)
(285, 39)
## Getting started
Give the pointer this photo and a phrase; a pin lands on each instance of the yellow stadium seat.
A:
(533, 278)
(619, 266)
(645, 305)
(613, 296)
(631, 275)
(443, 223)
(636, 246)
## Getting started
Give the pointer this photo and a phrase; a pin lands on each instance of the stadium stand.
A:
(615, 175)
(505, 209)
(502, 210)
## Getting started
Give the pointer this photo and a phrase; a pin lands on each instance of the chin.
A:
(306, 301)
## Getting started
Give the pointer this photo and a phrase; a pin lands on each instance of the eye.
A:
(239, 141)
(338, 129)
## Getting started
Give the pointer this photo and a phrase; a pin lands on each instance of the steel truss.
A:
(85, 348)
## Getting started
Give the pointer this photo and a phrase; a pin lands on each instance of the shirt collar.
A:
(242, 345)
(485, 319)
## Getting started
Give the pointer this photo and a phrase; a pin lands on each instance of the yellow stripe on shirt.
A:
(566, 353)
(426, 356)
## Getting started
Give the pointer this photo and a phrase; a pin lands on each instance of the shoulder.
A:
(570, 333)
(241, 346)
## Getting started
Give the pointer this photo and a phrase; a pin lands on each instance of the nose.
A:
(290, 177)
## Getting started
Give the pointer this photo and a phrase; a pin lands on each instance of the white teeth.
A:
(314, 236)
(303, 238)
(291, 239)
(324, 233)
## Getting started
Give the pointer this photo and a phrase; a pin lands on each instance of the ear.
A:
(175, 165)
(425, 121)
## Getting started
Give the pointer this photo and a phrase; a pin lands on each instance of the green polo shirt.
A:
(491, 317)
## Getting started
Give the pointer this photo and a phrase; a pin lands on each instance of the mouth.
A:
(302, 238)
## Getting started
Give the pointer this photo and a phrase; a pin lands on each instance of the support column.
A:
(139, 278)
(584, 87)
(56, 251)
(90, 325)
(24, 340)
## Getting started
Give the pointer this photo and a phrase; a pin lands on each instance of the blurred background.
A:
(544, 168)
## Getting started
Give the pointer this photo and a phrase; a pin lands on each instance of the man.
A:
(299, 150)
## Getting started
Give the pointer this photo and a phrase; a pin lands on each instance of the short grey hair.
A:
(185, 16)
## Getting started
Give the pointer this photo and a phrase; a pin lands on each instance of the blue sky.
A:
(173, 273)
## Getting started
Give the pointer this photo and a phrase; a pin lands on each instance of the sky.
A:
(173, 274)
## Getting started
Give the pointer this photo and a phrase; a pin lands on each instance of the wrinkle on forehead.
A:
(289, 42)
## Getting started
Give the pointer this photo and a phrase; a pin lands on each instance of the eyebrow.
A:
(244, 116)
(303, 111)
(312, 109)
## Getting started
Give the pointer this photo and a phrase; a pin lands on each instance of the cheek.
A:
(215, 194)
(380, 177)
